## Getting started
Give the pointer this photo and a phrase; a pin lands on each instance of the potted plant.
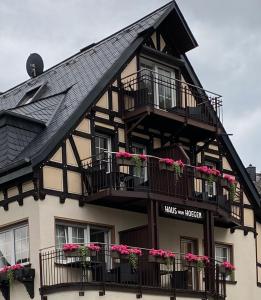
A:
(197, 261)
(133, 257)
(204, 172)
(7, 273)
(75, 250)
(120, 251)
(230, 184)
(226, 268)
(161, 256)
(171, 165)
(124, 252)
(128, 159)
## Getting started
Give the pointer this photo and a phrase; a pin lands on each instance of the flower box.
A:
(3, 277)
(201, 175)
(78, 253)
(24, 273)
(125, 162)
(156, 259)
(223, 270)
(165, 167)
(117, 255)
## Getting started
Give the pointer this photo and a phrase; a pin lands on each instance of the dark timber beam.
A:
(209, 248)
(152, 211)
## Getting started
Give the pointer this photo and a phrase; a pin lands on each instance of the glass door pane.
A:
(189, 246)
(146, 83)
(165, 89)
(140, 174)
(103, 151)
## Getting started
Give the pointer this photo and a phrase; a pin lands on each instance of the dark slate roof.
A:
(72, 86)
(43, 109)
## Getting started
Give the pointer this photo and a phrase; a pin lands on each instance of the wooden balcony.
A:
(106, 272)
(170, 102)
(112, 183)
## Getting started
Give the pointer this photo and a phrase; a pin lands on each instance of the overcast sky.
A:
(227, 61)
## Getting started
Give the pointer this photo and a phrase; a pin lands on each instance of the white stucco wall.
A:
(42, 214)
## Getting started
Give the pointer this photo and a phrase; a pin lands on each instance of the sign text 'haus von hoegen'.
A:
(182, 213)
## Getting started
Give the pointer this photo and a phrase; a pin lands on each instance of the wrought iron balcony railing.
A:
(148, 88)
(108, 172)
(104, 270)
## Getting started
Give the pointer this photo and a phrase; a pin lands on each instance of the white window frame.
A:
(156, 67)
(11, 230)
(229, 255)
(144, 151)
(108, 137)
(86, 228)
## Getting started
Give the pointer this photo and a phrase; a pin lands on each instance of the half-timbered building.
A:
(121, 145)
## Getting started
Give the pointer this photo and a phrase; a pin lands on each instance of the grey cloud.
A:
(228, 60)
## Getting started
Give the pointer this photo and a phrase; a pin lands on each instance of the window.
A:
(14, 245)
(32, 94)
(210, 187)
(81, 234)
(103, 150)
(223, 253)
(160, 81)
(142, 174)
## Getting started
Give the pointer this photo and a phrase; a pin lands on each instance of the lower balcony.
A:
(108, 270)
(115, 183)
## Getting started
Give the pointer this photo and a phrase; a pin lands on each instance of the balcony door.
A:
(103, 151)
(160, 82)
(140, 173)
(190, 275)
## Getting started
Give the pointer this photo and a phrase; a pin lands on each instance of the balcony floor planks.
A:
(169, 115)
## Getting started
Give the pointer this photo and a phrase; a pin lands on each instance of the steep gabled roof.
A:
(73, 85)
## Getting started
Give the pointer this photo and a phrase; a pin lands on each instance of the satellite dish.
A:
(34, 65)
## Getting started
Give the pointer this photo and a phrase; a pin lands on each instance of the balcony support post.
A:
(209, 249)
(152, 210)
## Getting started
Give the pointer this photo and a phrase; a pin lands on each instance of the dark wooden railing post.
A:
(174, 280)
(186, 104)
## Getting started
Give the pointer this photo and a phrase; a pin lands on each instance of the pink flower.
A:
(179, 163)
(94, 247)
(16, 267)
(228, 266)
(123, 154)
(229, 178)
(122, 249)
(191, 257)
(205, 259)
(167, 161)
(136, 251)
(70, 247)
(161, 253)
(5, 269)
(143, 157)
(208, 171)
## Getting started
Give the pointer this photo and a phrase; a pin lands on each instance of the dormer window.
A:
(33, 94)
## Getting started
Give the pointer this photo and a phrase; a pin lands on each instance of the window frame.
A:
(231, 254)
(37, 91)
(155, 66)
(11, 230)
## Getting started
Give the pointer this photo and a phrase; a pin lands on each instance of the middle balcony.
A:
(127, 184)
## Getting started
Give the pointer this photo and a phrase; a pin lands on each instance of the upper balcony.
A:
(179, 103)
(114, 182)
